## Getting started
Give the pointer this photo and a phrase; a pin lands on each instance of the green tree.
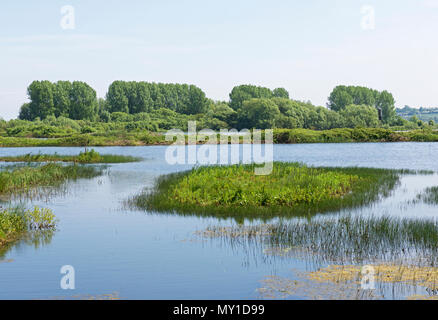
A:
(41, 96)
(61, 98)
(242, 93)
(339, 98)
(197, 101)
(258, 114)
(360, 116)
(280, 93)
(25, 112)
(386, 102)
(83, 102)
(117, 98)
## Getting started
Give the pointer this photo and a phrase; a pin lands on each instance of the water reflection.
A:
(36, 239)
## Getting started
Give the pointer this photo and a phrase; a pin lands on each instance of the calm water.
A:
(142, 255)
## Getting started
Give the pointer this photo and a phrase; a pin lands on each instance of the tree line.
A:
(249, 106)
(343, 96)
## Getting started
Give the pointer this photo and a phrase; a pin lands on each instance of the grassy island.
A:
(18, 179)
(83, 157)
(292, 189)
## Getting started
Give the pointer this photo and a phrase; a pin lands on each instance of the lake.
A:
(144, 255)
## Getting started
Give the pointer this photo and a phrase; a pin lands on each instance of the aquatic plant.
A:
(429, 196)
(341, 239)
(292, 189)
(18, 179)
(14, 222)
(88, 156)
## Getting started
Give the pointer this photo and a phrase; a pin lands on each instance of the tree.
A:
(41, 96)
(197, 101)
(242, 93)
(258, 114)
(25, 112)
(360, 116)
(61, 98)
(116, 97)
(386, 102)
(280, 93)
(339, 98)
(222, 112)
(83, 102)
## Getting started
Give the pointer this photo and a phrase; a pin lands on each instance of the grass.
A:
(18, 179)
(429, 196)
(83, 157)
(15, 222)
(292, 189)
(342, 239)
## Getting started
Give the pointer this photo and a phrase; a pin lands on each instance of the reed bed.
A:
(342, 239)
(292, 189)
(90, 156)
(429, 196)
(21, 179)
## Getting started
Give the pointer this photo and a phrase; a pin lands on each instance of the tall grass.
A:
(291, 190)
(429, 196)
(17, 179)
(344, 239)
(90, 156)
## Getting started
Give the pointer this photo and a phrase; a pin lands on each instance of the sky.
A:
(307, 47)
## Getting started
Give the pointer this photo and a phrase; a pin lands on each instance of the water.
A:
(140, 255)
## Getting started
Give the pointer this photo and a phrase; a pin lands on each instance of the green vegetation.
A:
(357, 239)
(292, 189)
(429, 196)
(341, 239)
(18, 179)
(159, 106)
(284, 136)
(352, 135)
(419, 116)
(16, 221)
(344, 96)
(136, 113)
(83, 157)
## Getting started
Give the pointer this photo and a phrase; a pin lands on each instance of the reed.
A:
(292, 189)
(18, 179)
(342, 239)
(90, 156)
(429, 196)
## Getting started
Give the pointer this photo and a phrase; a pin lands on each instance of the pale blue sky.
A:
(308, 47)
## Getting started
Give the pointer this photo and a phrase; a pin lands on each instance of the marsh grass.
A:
(292, 189)
(343, 239)
(429, 196)
(22, 179)
(90, 156)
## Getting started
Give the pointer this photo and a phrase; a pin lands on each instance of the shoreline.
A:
(280, 136)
